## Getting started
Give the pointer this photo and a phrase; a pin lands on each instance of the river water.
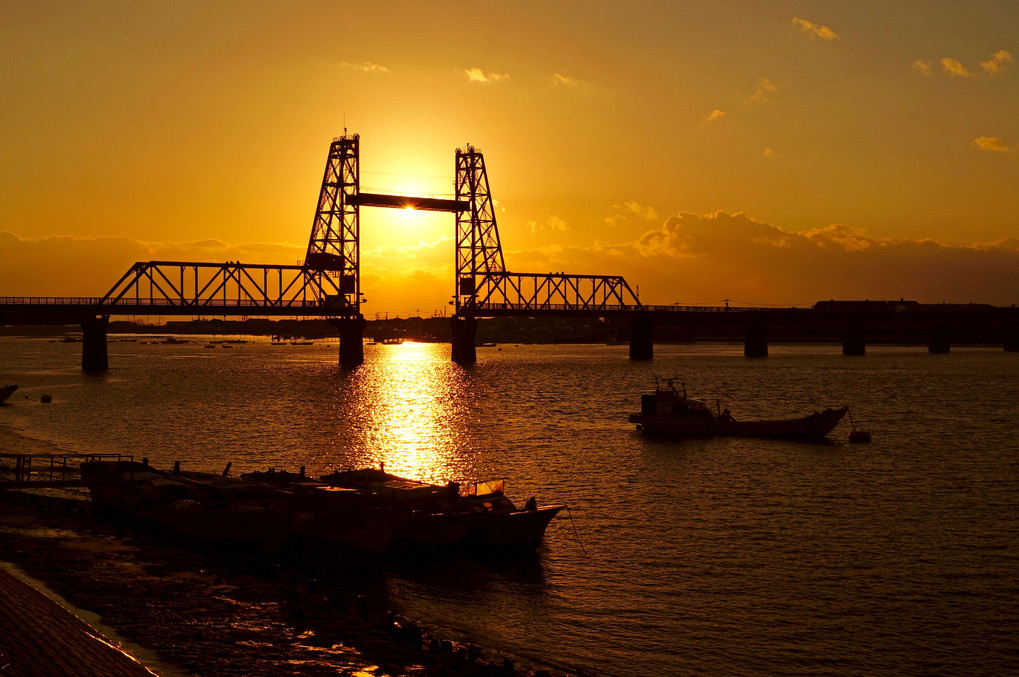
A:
(718, 556)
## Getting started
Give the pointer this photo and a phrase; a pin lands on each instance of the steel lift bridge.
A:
(484, 288)
(328, 283)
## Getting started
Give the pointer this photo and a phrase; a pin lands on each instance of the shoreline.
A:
(39, 636)
(194, 613)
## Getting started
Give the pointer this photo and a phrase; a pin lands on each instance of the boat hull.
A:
(814, 426)
(189, 506)
(511, 528)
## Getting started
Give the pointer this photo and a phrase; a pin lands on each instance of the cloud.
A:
(763, 91)
(991, 143)
(954, 67)
(814, 30)
(565, 81)
(732, 255)
(89, 266)
(365, 66)
(626, 211)
(647, 213)
(715, 115)
(477, 75)
(550, 225)
(687, 258)
(998, 61)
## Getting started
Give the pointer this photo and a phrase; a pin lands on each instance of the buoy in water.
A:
(859, 436)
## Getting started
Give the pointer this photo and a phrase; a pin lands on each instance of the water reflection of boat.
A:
(668, 411)
(7, 391)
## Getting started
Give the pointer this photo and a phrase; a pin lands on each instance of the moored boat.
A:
(669, 411)
(202, 506)
(497, 521)
(478, 513)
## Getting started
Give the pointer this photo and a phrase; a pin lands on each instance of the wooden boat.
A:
(356, 510)
(6, 392)
(669, 411)
(201, 506)
(496, 521)
(451, 515)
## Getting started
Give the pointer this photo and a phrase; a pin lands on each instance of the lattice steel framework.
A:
(478, 251)
(550, 293)
(329, 282)
(174, 287)
(334, 247)
(483, 286)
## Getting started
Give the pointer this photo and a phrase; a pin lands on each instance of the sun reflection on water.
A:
(414, 405)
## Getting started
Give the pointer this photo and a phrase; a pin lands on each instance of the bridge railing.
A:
(208, 303)
(714, 309)
(616, 308)
(50, 300)
(153, 302)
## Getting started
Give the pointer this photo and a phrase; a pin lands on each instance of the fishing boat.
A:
(367, 509)
(6, 392)
(474, 514)
(669, 411)
(497, 521)
(201, 506)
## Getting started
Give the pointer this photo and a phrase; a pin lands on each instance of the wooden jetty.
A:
(47, 471)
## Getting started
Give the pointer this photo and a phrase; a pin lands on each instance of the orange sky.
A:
(768, 153)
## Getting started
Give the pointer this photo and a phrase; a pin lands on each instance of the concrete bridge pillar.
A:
(94, 358)
(1012, 339)
(755, 342)
(940, 339)
(853, 342)
(642, 344)
(351, 339)
(465, 330)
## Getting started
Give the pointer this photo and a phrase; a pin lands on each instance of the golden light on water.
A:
(416, 411)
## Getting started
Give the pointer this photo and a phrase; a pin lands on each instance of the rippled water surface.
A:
(719, 556)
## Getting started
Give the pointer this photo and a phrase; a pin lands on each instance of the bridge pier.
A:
(853, 342)
(1012, 339)
(642, 345)
(755, 342)
(464, 339)
(940, 339)
(94, 357)
(351, 339)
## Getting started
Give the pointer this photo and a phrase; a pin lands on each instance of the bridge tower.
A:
(478, 250)
(334, 248)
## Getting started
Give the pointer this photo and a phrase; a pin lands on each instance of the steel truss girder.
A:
(552, 292)
(334, 247)
(217, 287)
